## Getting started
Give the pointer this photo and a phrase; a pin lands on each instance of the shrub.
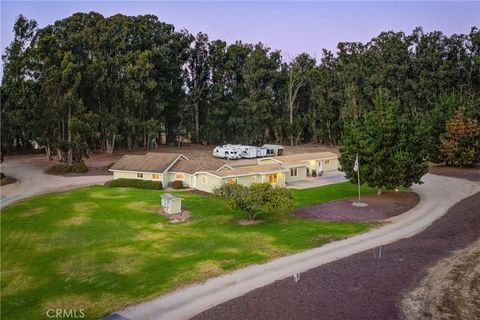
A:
(79, 167)
(177, 184)
(63, 168)
(135, 183)
(257, 198)
(59, 169)
(2, 175)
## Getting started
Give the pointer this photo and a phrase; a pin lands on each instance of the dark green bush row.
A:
(63, 168)
(177, 184)
(135, 183)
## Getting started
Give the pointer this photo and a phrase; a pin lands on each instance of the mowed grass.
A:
(344, 190)
(99, 249)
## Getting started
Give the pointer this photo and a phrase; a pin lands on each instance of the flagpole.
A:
(356, 168)
(358, 179)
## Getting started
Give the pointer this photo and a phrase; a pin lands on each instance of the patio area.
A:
(327, 178)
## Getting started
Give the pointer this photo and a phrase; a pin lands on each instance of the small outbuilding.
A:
(273, 149)
(171, 204)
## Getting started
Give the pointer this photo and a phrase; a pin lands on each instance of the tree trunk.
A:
(70, 150)
(60, 155)
(197, 123)
(48, 152)
(111, 146)
(379, 191)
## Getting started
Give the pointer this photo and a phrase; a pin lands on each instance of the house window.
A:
(232, 181)
(139, 175)
(179, 176)
(155, 176)
(272, 178)
(293, 172)
(254, 178)
(204, 180)
(327, 161)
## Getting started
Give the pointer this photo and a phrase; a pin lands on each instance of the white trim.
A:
(244, 174)
(224, 166)
(175, 161)
(129, 171)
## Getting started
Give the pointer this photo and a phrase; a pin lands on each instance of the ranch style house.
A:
(206, 174)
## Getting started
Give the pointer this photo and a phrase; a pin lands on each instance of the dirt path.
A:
(368, 285)
(451, 290)
(271, 302)
(31, 179)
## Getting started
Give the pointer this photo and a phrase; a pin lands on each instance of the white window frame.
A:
(179, 176)
(140, 175)
(293, 170)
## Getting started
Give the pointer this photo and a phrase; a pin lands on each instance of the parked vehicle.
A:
(227, 152)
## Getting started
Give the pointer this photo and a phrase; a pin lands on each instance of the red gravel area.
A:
(381, 207)
(463, 173)
(361, 286)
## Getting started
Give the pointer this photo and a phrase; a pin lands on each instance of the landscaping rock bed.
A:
(381, 207)
(362, 286)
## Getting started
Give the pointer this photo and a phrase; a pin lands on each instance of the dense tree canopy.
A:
(88, 83)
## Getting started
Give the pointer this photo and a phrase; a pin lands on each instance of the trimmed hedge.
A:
(135, 183)
(177, 184)
(63, 168)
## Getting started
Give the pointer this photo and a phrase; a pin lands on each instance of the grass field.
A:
(100, 248)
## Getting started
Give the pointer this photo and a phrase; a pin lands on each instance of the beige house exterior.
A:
(207, 174)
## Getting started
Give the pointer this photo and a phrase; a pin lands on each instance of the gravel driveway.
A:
(31, 179)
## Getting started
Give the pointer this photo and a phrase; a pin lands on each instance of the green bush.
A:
(135, 183)
(79, 167)
(59, 169)
(177, 184)
(256, 198)
(63, 168)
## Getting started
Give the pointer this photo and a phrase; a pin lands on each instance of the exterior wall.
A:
(246, 180)
(133, 175)
(331, 166)
(280, 178)
(171, 176)
(301, 175)
(212, 182)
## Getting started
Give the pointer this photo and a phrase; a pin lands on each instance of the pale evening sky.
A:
(292, 27)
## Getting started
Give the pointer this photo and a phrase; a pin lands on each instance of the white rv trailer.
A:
(248, 152)
(226, 153)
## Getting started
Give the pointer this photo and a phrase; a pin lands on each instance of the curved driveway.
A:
(438, 194)
(31, 179)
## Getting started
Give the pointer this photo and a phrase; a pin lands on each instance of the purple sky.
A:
(292, 27)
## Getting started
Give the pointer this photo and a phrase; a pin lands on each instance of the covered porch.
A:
(329, 177)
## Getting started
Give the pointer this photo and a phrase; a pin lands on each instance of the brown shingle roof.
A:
(262, 168)
(192, 166)
(307, 156)
(151, 162)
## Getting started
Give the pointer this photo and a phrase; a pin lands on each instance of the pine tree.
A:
(460, 145)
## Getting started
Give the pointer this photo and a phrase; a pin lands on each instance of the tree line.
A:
(88, 83)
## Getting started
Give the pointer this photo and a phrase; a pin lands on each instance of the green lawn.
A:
(101, 248)
(307, 197)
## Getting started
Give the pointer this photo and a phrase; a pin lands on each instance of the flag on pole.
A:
(355, 166)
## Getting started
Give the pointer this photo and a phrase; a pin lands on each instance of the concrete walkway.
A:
(437, 195)
(327, 178)
(31, 179)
